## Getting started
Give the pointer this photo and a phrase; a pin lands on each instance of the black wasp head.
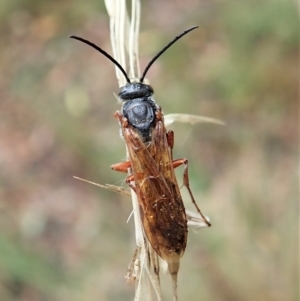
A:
(135, 90)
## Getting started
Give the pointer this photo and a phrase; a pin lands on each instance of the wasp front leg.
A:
(123, 167)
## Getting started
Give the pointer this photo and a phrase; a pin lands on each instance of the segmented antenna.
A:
(163, 50)
(104, 53)
(149, 64)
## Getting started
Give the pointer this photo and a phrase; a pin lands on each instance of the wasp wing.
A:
(162, 210)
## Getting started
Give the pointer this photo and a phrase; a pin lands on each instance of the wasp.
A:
(151, 163)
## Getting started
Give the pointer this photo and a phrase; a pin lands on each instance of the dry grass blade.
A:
(118, 33)
(110, 187)
(192, 119)
(124, 39)
(195, 220)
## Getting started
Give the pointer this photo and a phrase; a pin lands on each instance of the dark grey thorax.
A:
(139, 108)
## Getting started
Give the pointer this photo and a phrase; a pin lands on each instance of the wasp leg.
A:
(121, 167)
(170, 140)
(186, 183)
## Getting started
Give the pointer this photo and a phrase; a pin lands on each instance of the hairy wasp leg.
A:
(186, 183)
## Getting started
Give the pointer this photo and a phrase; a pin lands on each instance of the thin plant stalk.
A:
(124, 34)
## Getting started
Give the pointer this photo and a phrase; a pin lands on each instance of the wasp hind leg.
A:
(186, 183)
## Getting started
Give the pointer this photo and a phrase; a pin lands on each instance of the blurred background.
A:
(62, 239)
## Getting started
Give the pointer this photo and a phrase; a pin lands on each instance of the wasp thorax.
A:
(139, 108)
(135, 90)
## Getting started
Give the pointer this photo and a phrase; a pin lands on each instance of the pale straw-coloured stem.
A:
(144, 269)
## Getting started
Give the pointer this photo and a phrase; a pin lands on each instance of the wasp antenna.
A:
(164, 49)
(104, 53)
